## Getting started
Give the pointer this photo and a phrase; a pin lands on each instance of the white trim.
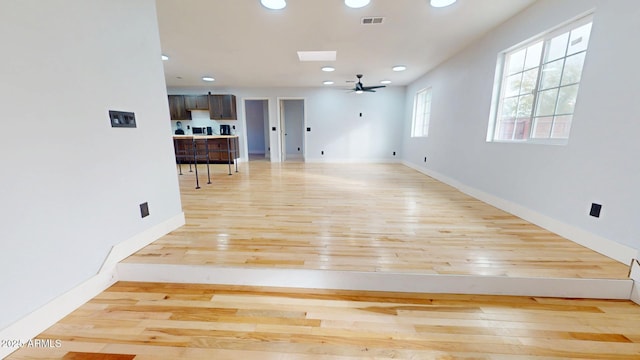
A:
(354, 161)
(38, 321)
(122, 250)
(634, 274)
(378, 281)
(281, 127)
(245, 132)
(610, 248)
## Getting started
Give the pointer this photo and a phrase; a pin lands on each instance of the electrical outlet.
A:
(308, 129)
(595, 210)
(425, 159)
(360, 114)
(273, 128)
(394, 153)
(298, 149)
(233, 127)
(144, 210)
(322, 152)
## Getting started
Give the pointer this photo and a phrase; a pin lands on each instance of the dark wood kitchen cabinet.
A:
(177, 108)
(221, 149)
(222, 107)
(196, 102)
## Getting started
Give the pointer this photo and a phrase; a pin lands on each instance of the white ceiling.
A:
(242, 44)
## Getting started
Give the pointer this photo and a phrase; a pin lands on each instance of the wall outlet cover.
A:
(122, 119)
(144, 210)
(595, 210)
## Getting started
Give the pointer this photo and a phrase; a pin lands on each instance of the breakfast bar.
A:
(207, 149)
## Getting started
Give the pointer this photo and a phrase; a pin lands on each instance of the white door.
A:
(292, 121)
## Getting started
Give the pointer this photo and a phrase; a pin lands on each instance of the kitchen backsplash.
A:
(200, 118)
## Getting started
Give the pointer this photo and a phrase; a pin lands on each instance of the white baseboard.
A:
(36, 322)
(634, 274)
(612, 249)
(124, 249)
(352, 161)
(378, 281)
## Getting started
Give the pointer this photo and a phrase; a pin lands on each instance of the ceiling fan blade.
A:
(372, 87)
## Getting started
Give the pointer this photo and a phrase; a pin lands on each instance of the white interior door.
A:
(292, 122)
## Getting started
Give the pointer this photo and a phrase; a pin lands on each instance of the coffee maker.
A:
(225, 129)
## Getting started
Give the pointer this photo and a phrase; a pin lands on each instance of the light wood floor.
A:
(360, 217)
(347, 217)
(146, 321)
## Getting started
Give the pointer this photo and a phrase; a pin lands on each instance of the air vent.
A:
(372, 20)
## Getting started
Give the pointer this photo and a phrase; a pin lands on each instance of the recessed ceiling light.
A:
(385, 82)
(165, 57)
(356, 3)
(327, 82)
(208, 78)
(274, 4)
(328, 68)
(399, 68)
(441, 3)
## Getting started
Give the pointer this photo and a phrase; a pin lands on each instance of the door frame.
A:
(281, 133)
(245, 134)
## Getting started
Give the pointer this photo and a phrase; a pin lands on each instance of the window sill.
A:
(554, 142)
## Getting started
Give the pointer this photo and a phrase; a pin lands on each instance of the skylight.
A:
(317, 55)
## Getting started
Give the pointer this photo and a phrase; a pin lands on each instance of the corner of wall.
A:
(33, 324)
(612, 249)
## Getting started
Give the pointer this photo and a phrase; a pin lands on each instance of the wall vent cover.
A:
(372, 20)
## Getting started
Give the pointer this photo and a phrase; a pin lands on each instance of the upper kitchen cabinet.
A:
(177, 108)
(222, 107)
(196, 102)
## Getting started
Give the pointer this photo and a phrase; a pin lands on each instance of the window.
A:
(539, 86)
(421, 113)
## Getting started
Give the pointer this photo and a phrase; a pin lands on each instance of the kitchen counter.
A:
(204, 136)
(214, 149)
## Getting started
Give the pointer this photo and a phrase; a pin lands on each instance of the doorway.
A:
(292, 121)
(257, 125)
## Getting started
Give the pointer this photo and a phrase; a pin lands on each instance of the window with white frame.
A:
(421, 113)
(539, 86)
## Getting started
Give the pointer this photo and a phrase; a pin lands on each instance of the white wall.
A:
(553, 184)
(334, 118)
(71, 184)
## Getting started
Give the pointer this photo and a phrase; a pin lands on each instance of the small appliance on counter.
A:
(197, 130)
(225, 129)
(209, 130)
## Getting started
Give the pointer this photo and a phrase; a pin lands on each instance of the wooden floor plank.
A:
(280, 323)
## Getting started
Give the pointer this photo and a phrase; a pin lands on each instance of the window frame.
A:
(425, 112)
(500, 83)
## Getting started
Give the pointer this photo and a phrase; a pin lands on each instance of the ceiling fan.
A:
(359, 88)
